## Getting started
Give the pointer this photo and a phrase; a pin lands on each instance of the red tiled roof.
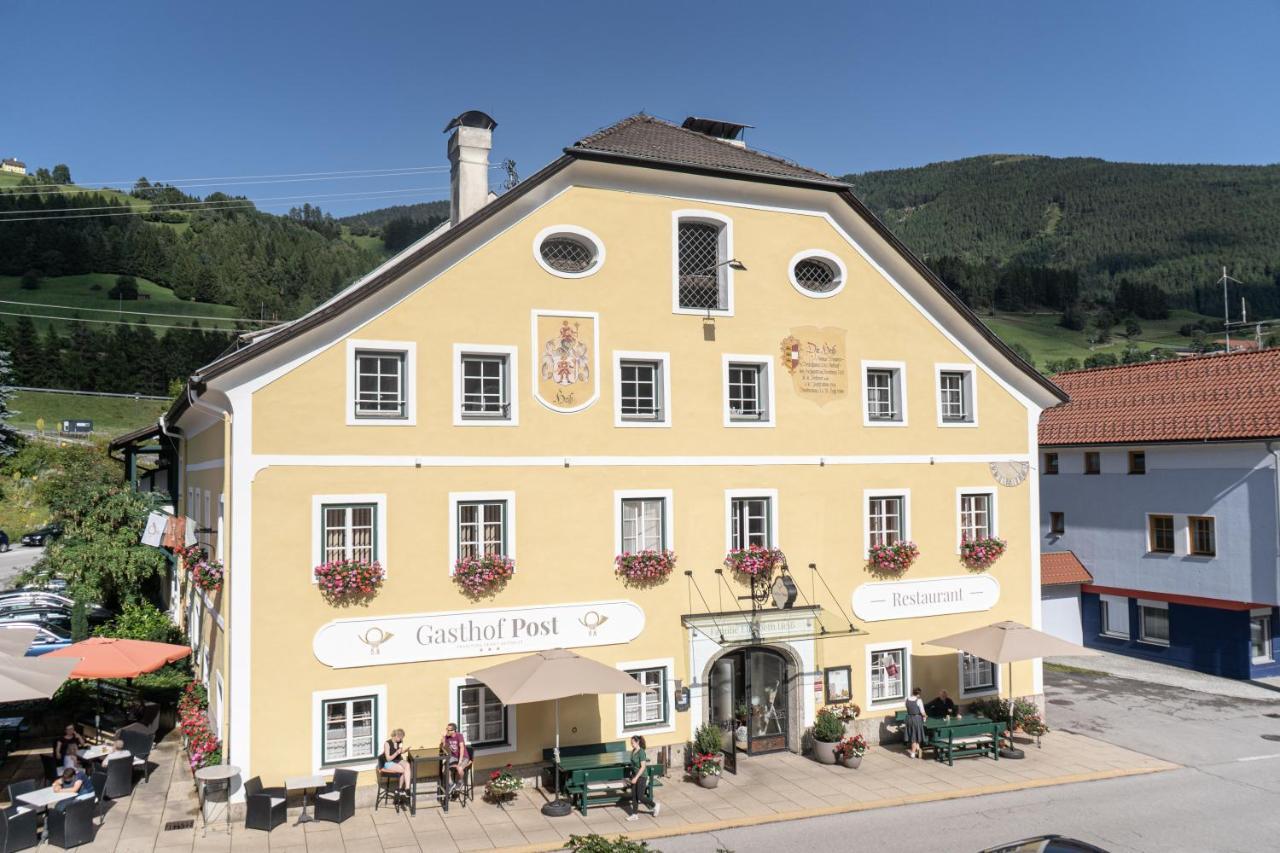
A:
(1221, 397)
(1062, 567)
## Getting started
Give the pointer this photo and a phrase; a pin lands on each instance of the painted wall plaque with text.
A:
(876, 602)
(818, 363)
(416, 637)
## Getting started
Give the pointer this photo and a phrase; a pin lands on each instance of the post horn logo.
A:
(375, 637)
(591, 620)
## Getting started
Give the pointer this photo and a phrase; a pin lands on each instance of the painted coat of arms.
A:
(565, 374)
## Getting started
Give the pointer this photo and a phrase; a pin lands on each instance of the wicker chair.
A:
(265, 808)
(18, 829)
(72, 825)
(337, 801)
(139, 742)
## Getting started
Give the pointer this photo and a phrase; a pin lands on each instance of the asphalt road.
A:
(1226, 797)
(15, 560)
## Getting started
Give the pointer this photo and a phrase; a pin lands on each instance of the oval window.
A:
(567, 254)
(816, 276)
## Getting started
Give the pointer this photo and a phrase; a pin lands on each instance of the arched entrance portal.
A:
(750, 698)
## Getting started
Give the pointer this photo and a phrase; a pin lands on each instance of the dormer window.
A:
(703, 276)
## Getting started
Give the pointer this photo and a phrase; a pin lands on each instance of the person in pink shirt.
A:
(454, 747)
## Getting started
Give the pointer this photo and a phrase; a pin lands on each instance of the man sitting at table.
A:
(454, 748)
(941, 706)
(73, 781)
(117, 751)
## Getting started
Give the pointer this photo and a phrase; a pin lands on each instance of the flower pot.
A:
(709, 781)
(852, 761)
(824, 752)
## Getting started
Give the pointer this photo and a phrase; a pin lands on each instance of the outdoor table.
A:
(429, 759)
(95, 753)
(305, 783)
(10, 727)
(216, 773)
(41, 798)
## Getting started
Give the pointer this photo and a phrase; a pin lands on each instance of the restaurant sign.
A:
(876, 602)
(417, 637)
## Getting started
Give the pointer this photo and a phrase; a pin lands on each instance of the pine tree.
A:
(8, 435)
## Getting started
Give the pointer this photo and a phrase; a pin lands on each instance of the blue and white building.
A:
(1164, 480)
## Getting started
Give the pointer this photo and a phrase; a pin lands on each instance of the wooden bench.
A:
(960, 740)
(606, 786)
(586, 749)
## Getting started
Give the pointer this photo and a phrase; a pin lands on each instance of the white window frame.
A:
(842, 273)
(552, 231)
(380, 526)
(455, 714)
(970, 385)
(1153, 605)
(774, 512)
(319, 697)
(206, 521)
(509, 533)
(867, 495)
(410, 352)
(667, 496)
(764, 361)
(1113, 602)
(725, 224)
(510, 353)
(1265, 614)
(1191, 537)
(901, 368)
(623, 731)
(219, 704)
(1150, 552)
(897, 701)
(977, 691)
(663, 359)
(992, 510)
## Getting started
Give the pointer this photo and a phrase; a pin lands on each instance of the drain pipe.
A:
(1274, 449)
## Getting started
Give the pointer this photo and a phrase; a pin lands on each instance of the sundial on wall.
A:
(1009, 473)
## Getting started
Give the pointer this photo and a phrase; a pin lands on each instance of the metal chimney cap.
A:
(472, 118)
(715, 127)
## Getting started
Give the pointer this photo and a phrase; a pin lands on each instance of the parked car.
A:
(19, 599)
(45, 640)
(42, 616)
(43, 536)
(1046, 844)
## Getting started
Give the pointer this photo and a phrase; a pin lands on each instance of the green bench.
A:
(596, 774)
(549, 754)
(967, 738)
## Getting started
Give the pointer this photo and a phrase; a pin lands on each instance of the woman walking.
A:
(915, 723)
(640, 780)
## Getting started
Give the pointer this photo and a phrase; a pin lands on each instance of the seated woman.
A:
(70, 757)
(454, 748)
(70, 739)
(395, 759)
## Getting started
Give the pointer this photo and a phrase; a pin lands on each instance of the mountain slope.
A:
(1173, 226)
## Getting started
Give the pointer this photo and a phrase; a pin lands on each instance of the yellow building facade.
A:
(660, 341)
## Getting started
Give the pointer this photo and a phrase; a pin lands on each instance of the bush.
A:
(827, 727)
(126, 288)
(142, 621)
(708, 739)
(30, 280)
(599, 844)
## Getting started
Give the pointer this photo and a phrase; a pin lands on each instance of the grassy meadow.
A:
(111, 416)
(1047, 341)
(72, 292)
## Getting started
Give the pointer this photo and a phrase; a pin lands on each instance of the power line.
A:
(113, 322)
(143, 313)
(174, 182)
(195, 205)
(215, 205)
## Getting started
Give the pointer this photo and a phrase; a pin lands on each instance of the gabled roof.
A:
(1062, 567)
(643, 138)
(9, 161)
(1227, 397)
(638, 140)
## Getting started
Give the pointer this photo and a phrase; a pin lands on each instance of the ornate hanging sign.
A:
(566, 362)
(818, 363)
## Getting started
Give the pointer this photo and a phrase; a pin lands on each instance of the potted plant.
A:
(483, 575)
(345, 582)
(207, 575)
(893, 559)
(645, 568)
(828, 729)
(980, 554)
(754, 561)
(704, 766)
(848, 714)
(502, 786)
(849, 751)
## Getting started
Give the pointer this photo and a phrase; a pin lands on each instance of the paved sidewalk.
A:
(1123, 666)
(766, 789)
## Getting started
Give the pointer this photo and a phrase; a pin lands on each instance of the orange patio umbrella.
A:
(110, 657)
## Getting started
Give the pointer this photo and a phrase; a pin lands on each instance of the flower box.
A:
(345, 582)
(981, 554)
(892, 560)
(754, 561)
(483, 575)
(645, 568)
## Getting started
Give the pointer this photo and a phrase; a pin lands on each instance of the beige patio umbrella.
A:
(551, 676)
(23, 678)
(1006, 642)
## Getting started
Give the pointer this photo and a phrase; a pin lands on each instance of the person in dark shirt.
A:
(941, 706)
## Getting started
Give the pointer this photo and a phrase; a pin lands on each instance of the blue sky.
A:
(188, 90)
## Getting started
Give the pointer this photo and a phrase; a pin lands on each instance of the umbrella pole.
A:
(1011, 751)
(557, 807)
